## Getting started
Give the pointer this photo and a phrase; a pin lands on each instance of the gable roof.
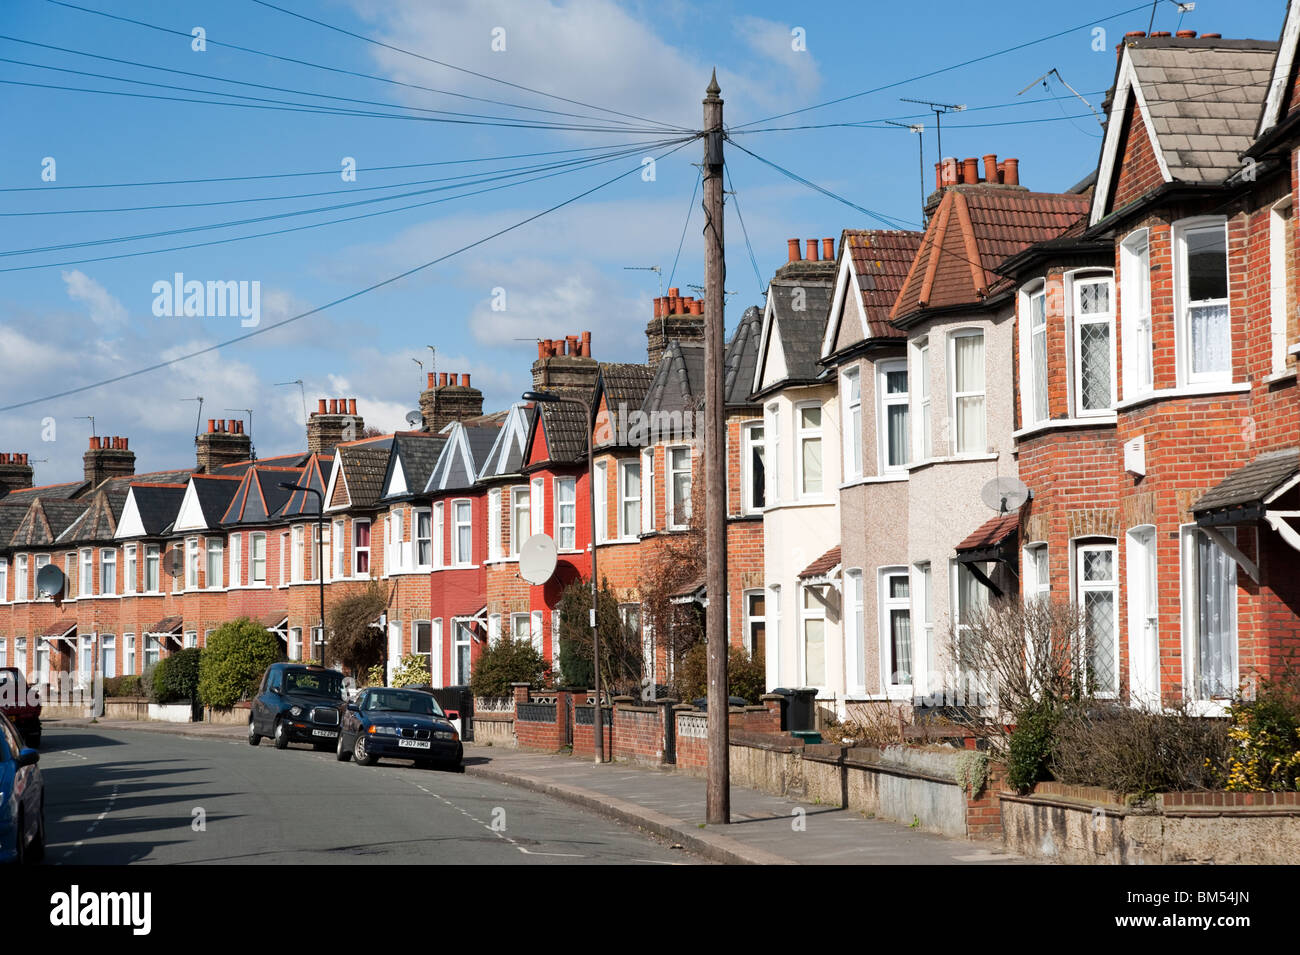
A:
(793, 324)
(1253, 485)
(741, 358)
(975, 228)
(622, 383)
(1199, 100)
(506, 456)
(462, 457)
(206, 498)
(565, 428)
(312, 474)
(150, 509)
(678, 382)
(412, 459)
(98, 522)
(1281, 100)
(873, 267)
(45, 520)
(363, 467)
(11, 515)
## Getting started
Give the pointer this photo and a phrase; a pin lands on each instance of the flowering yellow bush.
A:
(1266, 751)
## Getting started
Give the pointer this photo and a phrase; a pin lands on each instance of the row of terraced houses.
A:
(1126, 349)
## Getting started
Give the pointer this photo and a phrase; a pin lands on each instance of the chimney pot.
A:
(794, 249)
(212, 425)
(1162, 33)
(464, 381)
(442, 379)
(322, 406)
(126, 446)
(950, 174)
(334, 406)
(430, 387)
(970, 170)
(1187, 34)
(812, 250)
(352, 408)
(1011, 171)
(674, 292)
(828, 250)
(938, 177)
(1211, 36)
(1134, 34)
(233, 426)
(697, 308)
(991, 167)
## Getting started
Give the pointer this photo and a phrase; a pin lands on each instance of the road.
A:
(116, 797)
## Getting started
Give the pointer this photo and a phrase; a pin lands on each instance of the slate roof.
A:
(801, 330)
(418, 452)
(823, 565)
(678, 383)
(566, 428)
(215, 495)
(294, 459)
(881, 261)
(11, 515)
(992, 533)
(1252, 483)
(98, 522)
(741, 358)
(624, 384)
(48, 491)
(363, 468)
(158, 505)
(46, 520)
(1203, 98)
(973, 229)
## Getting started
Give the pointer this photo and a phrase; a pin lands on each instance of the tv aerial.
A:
(1004, 494)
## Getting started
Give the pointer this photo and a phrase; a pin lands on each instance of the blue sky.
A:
(66, 325)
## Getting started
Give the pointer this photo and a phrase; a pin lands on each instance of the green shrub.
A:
(746, 677)
(238, 653)
(505, 662)
(147, 687)
(123, 686)
(1266, 757)
(176, 680)
(692, 674)
(1029, 752)
(412, 670)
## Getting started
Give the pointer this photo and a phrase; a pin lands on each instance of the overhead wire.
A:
(735, 197)
(690, 208)
(261, 330)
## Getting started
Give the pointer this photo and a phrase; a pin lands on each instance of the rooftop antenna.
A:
(700, 289)
(648, 268)
(91, 419)
(198, 420)
(938, 109)
(252, 455)
(433, 377)
(919, 129)
(1054, 72)
(302, 391)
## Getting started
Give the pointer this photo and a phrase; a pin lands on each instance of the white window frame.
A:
(566, 526)
(191, 563)
(924, 422)
(435, 662)
(886, 605)
(520, 504)
(752, 619)
(647, 490)
(128, 651)
(1076, 282)
(851, 402)
(296, 554)
(153, 555)
(600, 484)
(811, 609)
(338, 544)
(536, 506)
(130, 567)
(885, 401)
(494, 524)
(415, 641)
(107, 564)
(1135, 313)
(1182, 307)
(1280, 239)
(923, 618)
(955, 396)
(253, 559)
(628, 530)
(294, 649)
(424, 541)
(461, 637)
(460, 559)
(1033, 584)
(4, 580)
(772, 431)
(21, 588)
(804, 435)
(751, 447)
(1083, 587)
(86, 574)
(439, 536)
(358, 549)
(1191, 599)
(1033, 374)
(675, 521)
(855, 633)
(494, 628)
(1142, 564)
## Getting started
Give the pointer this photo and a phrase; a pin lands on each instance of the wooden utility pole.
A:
(715, 461)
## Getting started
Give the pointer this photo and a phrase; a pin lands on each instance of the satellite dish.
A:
(1004, 494)
(414, 419)
(175, 562)
(537, 559)
(50, 581)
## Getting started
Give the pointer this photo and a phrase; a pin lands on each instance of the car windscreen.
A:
(397, 701)
(314, 682)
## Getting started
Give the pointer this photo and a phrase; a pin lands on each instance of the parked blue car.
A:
(390, 723)
(22, 799)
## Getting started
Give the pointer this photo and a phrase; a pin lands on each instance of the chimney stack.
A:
(223, 443)
(333, 424)
(107, 457)
(452, 400)
(15, 473)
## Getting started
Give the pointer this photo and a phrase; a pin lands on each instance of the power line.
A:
(735, 197)
(301, 228)
(338, 301)
(461, 69)
(690, 208)
(323, 172)
(945, 69)
(534, 167)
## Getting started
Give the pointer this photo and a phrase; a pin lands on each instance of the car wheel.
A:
(37, 851)
(253, 737)
(341, 752)
(281, 737)
(361, 753)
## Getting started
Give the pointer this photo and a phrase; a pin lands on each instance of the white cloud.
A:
(104, 310)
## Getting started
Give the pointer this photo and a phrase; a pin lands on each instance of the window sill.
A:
(875, 479)
(785, 505)
(1287, 374)
(501, 560)
(1051, 424)
(249, 587)
(1185, 391)
(952, 459)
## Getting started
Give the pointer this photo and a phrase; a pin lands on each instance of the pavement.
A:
(764, 829)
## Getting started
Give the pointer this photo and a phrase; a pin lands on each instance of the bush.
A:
(620, 645)
(1029, 749)
(147, 688)
(1136, 752)
(505, 662)
(123, 686)
(692, 675)
(746, 678)
(176, 679)
(413, 670)
(1266, 734)
(354, 642)
(238, 653)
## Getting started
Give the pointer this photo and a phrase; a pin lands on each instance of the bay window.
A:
(851, 401)
(360, 547)
(257, 559)
(753, 467)
(808, 422)
(679, 488)
(566, 513)
(967, 363)
(1033, 390)
(1096, 582)
(629, 498)
(891, 415)
(462, 540)
(1094, 337)
(1204, 326)
(520, 518)
(1135, 279)
(1209, 598)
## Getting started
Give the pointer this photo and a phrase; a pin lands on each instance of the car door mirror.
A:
(353, 708)
(28, 757)
(452, 714)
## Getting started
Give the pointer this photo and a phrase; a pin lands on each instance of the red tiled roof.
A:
(972, 231)
(992, 532)
(271, 620)
(166, 625)
(59, 627)
(823, 565)
(882, 259)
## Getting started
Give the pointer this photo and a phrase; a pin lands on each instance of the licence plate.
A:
(413, 744)
(328, 734)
